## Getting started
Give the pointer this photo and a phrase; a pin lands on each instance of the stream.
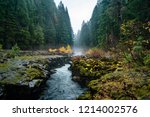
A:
(60, 86)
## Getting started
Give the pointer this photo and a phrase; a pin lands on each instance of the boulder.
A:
(23, 78)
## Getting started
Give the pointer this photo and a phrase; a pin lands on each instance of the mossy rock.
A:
(33, 73)
(95, 68)
(121, 85)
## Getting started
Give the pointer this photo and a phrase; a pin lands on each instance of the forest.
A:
(34, 24)
(37, 41)
(115, 21)
(118, 59)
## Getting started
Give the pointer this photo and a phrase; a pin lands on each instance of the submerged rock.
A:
(76, 78)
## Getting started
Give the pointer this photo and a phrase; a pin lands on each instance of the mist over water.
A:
(78, 51)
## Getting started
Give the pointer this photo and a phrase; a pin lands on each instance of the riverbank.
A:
(108, 78)
(22, 77)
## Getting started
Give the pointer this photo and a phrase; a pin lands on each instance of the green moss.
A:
(13, 79)
(25, 57)
(4, 67)
(120, 85)
(110, 79)
(95, 67)
(37, 57)
(14, 72)
(33, 73)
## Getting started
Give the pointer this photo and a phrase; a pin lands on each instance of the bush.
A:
(52, 51)
(69, 50)
(128, 58)
(95, 52)
(147, 60)
(66, 50)
(15, 50)
(61, 50)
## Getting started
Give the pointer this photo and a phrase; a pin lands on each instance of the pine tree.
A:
(33, 23)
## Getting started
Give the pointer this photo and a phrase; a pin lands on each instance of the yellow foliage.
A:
(69, 49)
(62, 50)
(52, 50)
(66, 50)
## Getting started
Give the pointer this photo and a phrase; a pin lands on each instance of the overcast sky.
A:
(79, 10)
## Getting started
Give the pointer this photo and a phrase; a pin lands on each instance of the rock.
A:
(4, 75)
(34, 83)
(1, 77)
(53, 71)
(34, 73)
(23, 77)
(25, 63)
(76, 78)
(1, 91)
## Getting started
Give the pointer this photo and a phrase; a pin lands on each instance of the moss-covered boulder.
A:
(23, 76)
(121, 85)
(92, 68)
(33, 73)
(110, 79)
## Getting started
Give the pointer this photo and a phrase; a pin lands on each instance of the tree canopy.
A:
(112, 18)
(32, 24)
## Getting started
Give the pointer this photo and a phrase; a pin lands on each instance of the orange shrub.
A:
(61, 50)
(52, 50)
(95, 52)
(69, 50)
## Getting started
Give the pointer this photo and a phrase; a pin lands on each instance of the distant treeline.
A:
(113, 21)
(34, 24)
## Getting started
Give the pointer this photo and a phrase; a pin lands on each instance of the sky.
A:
(79, 10)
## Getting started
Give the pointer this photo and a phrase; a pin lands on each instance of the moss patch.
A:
(33, 73)
(109, 79)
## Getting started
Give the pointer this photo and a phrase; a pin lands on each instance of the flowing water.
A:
(60, 86)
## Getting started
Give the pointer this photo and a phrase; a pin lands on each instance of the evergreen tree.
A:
(65, 34)
(33, 23)
(85, 35)
(110, 16)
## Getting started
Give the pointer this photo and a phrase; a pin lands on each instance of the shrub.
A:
(95, 52)
(69, 50)
(15, 50)
(128, 58)
(147, 60)
(53, 51)
(61, 50)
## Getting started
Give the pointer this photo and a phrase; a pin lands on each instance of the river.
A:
(60, 86)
